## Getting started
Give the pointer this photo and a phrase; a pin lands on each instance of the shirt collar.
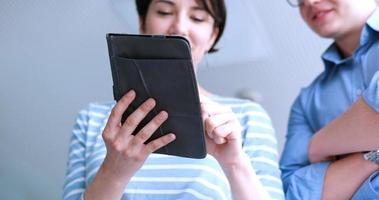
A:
(371, 28)
(373, 20)
(332, 56)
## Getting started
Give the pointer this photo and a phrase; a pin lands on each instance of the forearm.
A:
(343, 177)
(106, 186)
(357, 129)
(243, 180)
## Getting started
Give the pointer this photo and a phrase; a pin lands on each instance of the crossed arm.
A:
(349, 135)
(357, 130)
(354, 132)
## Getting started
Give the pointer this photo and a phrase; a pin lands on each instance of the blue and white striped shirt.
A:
(171, 177)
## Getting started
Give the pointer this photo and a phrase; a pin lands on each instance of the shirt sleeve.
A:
(301, 179)
(260, 144)
(369, 189)
(371, 94)
(75, 179)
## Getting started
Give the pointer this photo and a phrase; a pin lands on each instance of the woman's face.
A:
(185, 18)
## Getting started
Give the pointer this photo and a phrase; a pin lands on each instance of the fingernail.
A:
(163, 115)
(151, 102)
(131, 93)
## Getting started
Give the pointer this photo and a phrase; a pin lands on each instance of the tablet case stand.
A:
(160, 67)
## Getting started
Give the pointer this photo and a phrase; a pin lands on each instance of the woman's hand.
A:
(126, 153)
(223, 137)
(223, 132)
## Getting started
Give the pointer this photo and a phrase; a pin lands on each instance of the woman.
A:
(107, 162)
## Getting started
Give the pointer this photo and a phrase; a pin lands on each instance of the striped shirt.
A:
(172, 177)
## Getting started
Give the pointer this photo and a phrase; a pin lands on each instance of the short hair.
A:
(216, 8)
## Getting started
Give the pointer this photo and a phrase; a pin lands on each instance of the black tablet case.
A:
(160, 67)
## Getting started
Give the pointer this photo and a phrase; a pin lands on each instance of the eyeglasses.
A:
(295, 3)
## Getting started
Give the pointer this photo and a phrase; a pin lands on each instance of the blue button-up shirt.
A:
(343, 81)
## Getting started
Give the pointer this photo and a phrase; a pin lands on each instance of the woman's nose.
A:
(179, 26)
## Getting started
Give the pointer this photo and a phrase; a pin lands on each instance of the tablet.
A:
(160, 67)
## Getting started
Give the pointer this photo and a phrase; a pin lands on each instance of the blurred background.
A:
(54, 61)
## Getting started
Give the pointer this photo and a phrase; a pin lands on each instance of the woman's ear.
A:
(142, 24)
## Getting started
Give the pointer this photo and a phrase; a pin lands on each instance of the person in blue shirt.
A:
(334, 122)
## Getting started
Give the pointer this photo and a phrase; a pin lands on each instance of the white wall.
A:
(53, 61)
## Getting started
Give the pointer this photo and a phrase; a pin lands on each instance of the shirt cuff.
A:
(371, 94)
(369, 189)
(307, 182)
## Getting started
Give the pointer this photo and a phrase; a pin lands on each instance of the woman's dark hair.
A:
(216, 8)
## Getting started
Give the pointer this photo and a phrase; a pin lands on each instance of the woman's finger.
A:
(136, 117)
(214, 108)
(219, 140)
(160, 142)
(224, 130)
(114, 119)
(212, 122)
(145, 133)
